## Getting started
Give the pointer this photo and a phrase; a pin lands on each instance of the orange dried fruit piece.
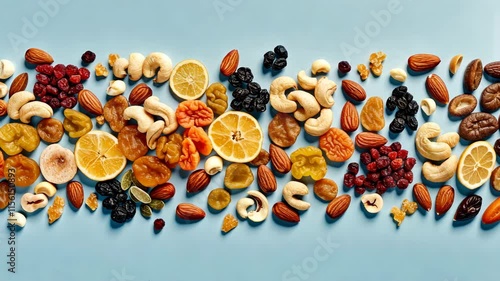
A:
(363, 72)
(112, 58)
(190, 157)
(376, 60)
(398, 215)
(200, 139)
(150, 171)
(229, 223)
(101, 70)
(4, 194)
(194, 113)
(372, 114)
(26, 169)
(132, 143)
(2, 165)
(16, 137)
(409, 207)
(337, 145)
(92, 202)
(56, 210)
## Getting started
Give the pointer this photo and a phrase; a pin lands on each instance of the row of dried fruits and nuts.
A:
(157, 138)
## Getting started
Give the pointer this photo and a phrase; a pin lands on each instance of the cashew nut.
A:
(46, 188)
(320, 66)
(144, 119)
(3, 90)
(116, 87)
(324, 92)
(428, 106)
(310, 105)
(442, 172)
(153, 106)
(135, 62)
(213, 165)
(292, 189)
(32, 202)
(17, 218)
(277, 94)
(319, 126)
(120, 68)
(17, 101)
(154, 133)
(436, 151)
(154, 61)
(35, 108)
(306, 82)
(7, 69)
(261, 206)
(451, 138)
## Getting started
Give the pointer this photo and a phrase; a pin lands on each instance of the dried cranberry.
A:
(59, 71)
(386, 172)
(69, 102)
(358, 181)
(383, 162)
(46, 69)
(71, 70)
(393, 155)
(365, 158)
(353, 168)
(389, 182)
(53, 81)
(410, 163)
(75, 79)
(42, 78)
(403, 154)
(372, 167)
(51, 90)
(159, 224)
(368, 184)
(409, 176)
(396, 176)
(396, 164)
(55, 103)
(46, 99)
(63, 84)
(349, 180)
(374, 153)
(403, 183)
(385, 150)
(381, 190)
(374, 177)
(396, 146)
(39, 88)
(84, 73)
(62, 95)
(359, 190)
(79, 87)
(88, 57)
(344, 66)
(72, 91)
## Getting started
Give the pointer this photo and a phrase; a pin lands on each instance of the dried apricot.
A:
(50, 130)
(4, 194)
(190, 157)
(56, 210)
(113, 113)
(150, 171)
(26, 169)
(283, 130)
(337, 145)
(372, 114)
(76, 123)
(132, 143)
(200, 139)
(261, 159)
(238, 176)
(194, 113)
(16, 137)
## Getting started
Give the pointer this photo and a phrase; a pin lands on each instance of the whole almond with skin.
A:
(367, 140)
(280, 160)
(349, 118)
(437, 89)
(139, 94)
(197, 181)
(74, 191)
(18, 84)
(422, 196)
(353, 90)
(444, 199)
(492, 213)
(266, 179)
(230, 63)
(338, 206)
(493, 69)
(423, 62)
(188, 211)
(163, 191)
(285, 213)
(92, 104)
(473, 75)
(38, 56)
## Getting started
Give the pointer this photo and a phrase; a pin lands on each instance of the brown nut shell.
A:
(462, 105)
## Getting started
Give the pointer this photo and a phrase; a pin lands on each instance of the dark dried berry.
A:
(46, 69)
(84, 73)
(88, 57)
(237, 104)
(55, 103)
(353, 168)
(269, 59)
(397, 125)
(358, 181)
(412, 108)
(349, 180)
(365, 158)
(402, 114)
(409, 163)
(121, 197)
(279, 64)
(240, 93)
(254, 88)
(234, 80)
(69, 102)
(281, 51)
(468, 208)
(402, 183)
(108, 188)
(396, 146)
(383, 162)
(244, 74)
(59, 71)
(110, 203)
(344, 66)
(497, 147)
(408, 97)
(79, 87)
(63, 84)
(391, 104)
(400, 91)
(412, 123)
(401, 104)
(71, 70)
(359, 190)
(259, 107)
(249, 104)
(42, 78)
(130, 207)
(385, 150)
(119, 214)
(264, 94)
(159, 224)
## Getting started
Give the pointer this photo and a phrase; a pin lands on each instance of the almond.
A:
(3, 108)
(422, 196)
(285, 213)
(139, 94)
(38, 56)
(423, 62)
(163, 192)
(353, 90)
(492, 213)
(280, 160)
(349, 118)
(266, 179)
(92, 104)
(367, 140)
(188, 211)
(437, 89)
(444, 199)
(19, 84)
(473, 75)
(197, 181)
(493, 69)
(74, 191)
(338, 206)
(230, 63)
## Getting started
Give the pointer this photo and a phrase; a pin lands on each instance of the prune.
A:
(249, 104)
(397, 125)
(244, 74)
(130, 207)
(110, 203)
(391, 104)
(408, 97)
(240, 93)
(264, 94)
(412, 123)
(254, 88)
(400, 91)
(269, 59)
(234, 80)
(108, 188)
(119, 214)
(412, 108)
(281, 51)
(401, 104)
(237, 105)
(88, 57)
(344, 67)
(121, 197)
(279, 64)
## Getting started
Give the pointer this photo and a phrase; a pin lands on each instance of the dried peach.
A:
(132, 143)
(113, 112)
(337, 145)
(194, 113)
(372, 114)
(190, 158)
(26, 171)
(150, 171)
(200, 139)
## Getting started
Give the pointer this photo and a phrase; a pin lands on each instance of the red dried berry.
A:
(42, 78)
(62, 96)
(349, 180)
(386, 172)
(409, 176)
(353, 168)
(374, 177)
(71, 70)
(368, 184)
(79, 87)
(400, 172)
(75, 79)
(63, 84)
(385, 150)
(389, 182)
(396, 146)
(381, 190)
(393, 155)
(53, 81)
(72, 91)
(46, 99)
(159, 224)
(383, 162)
(396, 176)
(59, 71)
(365, 158)
(51, 90)
(372, 167)
(410, 163)
(358, 181)
(397, 164)
(374, 153)
(403, 154)
(359, 190)
(39, 89)
(55, 103)
(84, 73)
(46, 69)
(402, 183)
(69, 102)
(88, 57)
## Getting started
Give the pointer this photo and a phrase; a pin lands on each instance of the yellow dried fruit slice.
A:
(476, 164)
(229, 223)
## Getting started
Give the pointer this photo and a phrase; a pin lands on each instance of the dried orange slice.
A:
(476, 164)
(189, 79)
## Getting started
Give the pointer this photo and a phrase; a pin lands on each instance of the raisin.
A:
(110, 203)
(119, 214)
(401, 104)
(244, 74)
(240, 93)
(412, 108)
(234, 80)
(397, 125)
(279, 64)
(269, 59)
(88, 57)
(281, 51)
(131, 208)
(249, 104)
(412, 123)
(344, 67)
(237, 105)
(353, 168)
(408, 97)
(121, 197)
(391, 103)
(400, 91)
(254, 88)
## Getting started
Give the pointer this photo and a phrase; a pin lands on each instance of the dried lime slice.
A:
(146, 211)
(156, 204)
(139, 195)
(126, 181)
(137, 183)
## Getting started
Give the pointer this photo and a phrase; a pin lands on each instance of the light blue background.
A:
(85, 246)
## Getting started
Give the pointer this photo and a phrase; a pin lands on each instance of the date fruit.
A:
(468, 208)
